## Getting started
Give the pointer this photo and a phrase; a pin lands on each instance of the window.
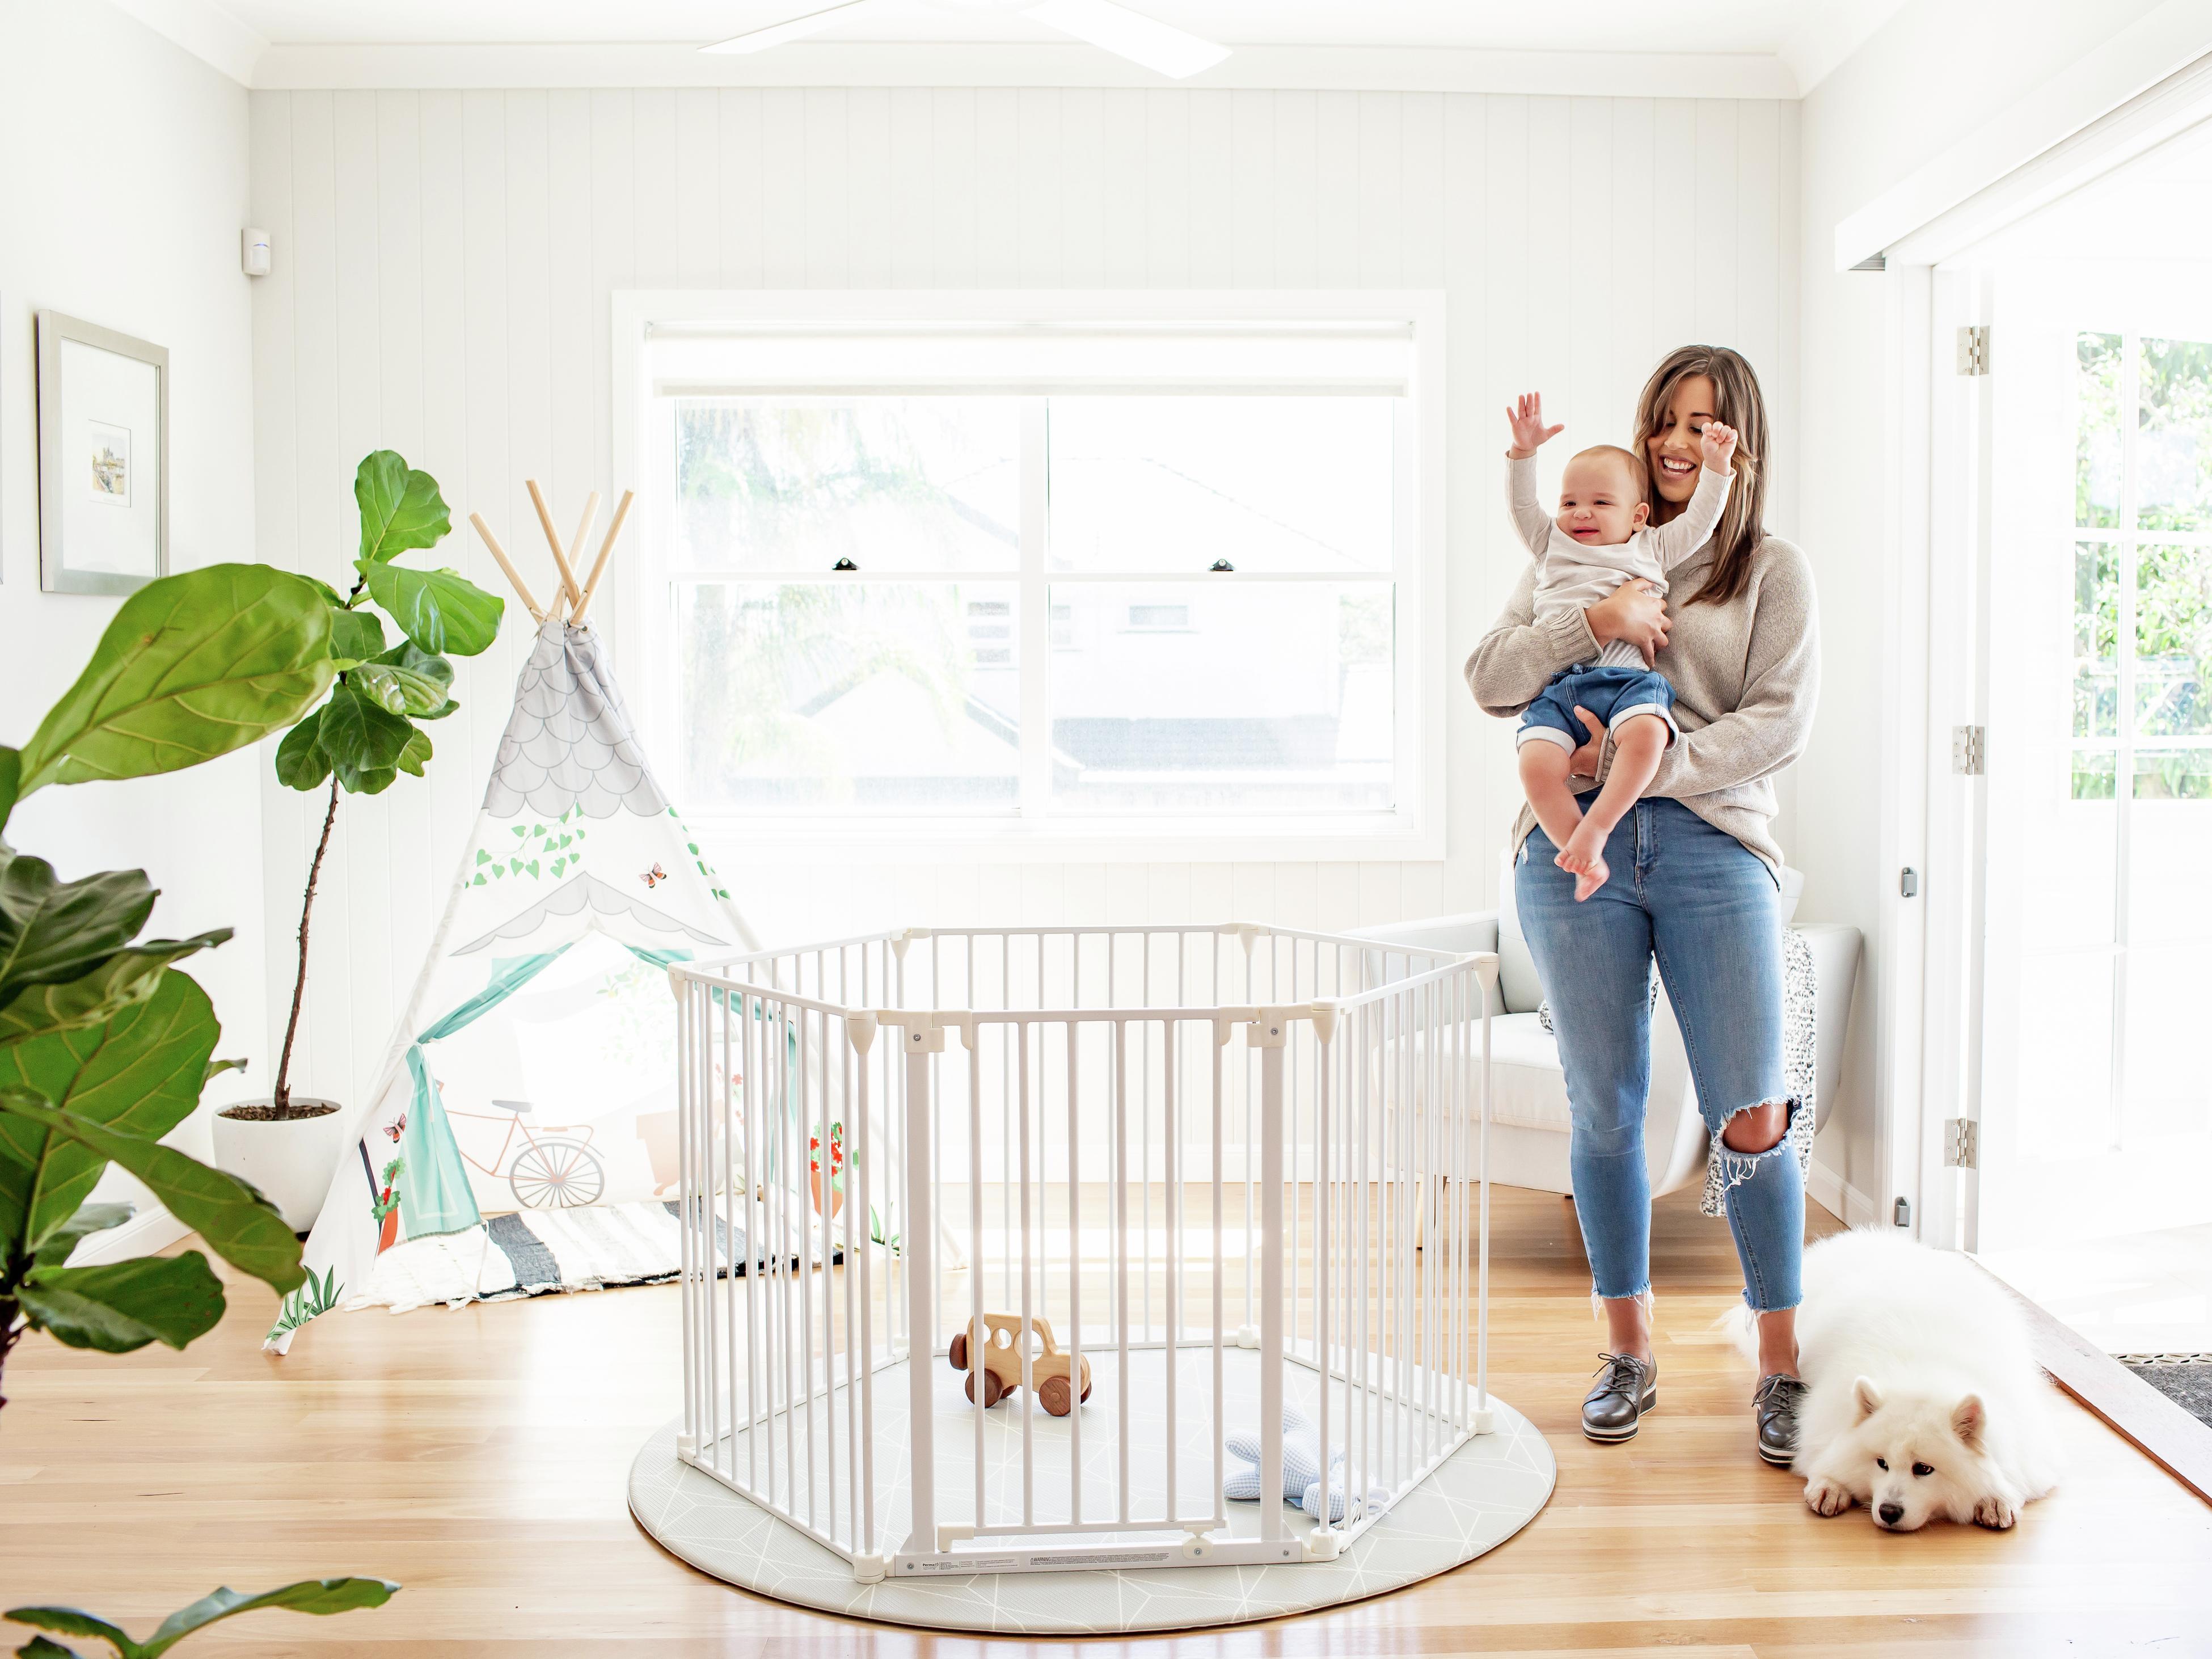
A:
(1128, 578)
(2142, 564)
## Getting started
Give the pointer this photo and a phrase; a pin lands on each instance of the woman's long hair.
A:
(1737, 402)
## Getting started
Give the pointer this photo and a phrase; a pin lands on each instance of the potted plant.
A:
(105, 1044)
(359, 740)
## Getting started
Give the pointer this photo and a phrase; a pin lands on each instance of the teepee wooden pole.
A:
(606, 549)
(567, 592)
(499, 554)
(574, 556)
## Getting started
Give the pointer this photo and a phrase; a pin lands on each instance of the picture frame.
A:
(103, 458)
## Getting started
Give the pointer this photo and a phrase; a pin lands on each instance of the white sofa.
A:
(1528, 1119)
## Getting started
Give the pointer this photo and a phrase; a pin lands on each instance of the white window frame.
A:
(643, 622)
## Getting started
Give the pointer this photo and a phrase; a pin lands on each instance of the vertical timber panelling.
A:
(443, 268)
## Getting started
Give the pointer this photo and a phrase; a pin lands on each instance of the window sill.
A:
(1360, 839)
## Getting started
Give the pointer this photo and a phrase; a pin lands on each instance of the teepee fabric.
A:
(576, 851)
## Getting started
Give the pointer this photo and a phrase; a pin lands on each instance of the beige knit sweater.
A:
(1746, 677)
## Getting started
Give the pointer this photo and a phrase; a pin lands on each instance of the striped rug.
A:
(535, 1252)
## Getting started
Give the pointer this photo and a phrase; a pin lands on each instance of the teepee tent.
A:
(578, 868)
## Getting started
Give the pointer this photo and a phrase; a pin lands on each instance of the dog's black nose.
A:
(1891, 1514)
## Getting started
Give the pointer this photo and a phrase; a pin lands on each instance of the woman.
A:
(1695, 885)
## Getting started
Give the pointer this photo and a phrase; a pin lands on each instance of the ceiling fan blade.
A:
(1172, 51)
(794, 28)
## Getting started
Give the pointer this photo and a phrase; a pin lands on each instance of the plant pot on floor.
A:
(288, 1157)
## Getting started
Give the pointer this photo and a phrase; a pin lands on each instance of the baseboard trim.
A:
(152, 1231)
(1839, 1198)
(2122, 1401)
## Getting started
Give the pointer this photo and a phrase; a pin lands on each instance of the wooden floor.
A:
(480, 1456)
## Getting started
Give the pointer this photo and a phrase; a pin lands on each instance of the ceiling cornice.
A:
(815, 64)
(204, 29)
(1820, 44)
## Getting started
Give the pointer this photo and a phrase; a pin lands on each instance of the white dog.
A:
(1925, 1403)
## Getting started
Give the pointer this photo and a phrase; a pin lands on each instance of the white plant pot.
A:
(289, 1160)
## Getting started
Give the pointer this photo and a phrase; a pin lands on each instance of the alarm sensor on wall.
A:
(255, 252)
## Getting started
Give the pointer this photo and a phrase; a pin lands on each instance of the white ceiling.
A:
(1689, 47)
(1711, 25)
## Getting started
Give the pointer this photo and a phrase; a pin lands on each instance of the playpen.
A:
(1237, 1172)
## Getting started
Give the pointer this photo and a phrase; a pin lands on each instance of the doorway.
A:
(2086, 482)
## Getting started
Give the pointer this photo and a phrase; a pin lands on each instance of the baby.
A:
(1603, 538)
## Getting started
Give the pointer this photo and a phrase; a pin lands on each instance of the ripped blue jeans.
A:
(1696, 899)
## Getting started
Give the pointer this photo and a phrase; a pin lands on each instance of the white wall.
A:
(1932, 74)
(122, 194)
(444, 261)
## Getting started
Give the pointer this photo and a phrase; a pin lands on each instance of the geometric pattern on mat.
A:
(1490, 1489)
(538, 1252)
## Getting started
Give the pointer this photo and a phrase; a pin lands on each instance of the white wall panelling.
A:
(122, 193)
(444, 264)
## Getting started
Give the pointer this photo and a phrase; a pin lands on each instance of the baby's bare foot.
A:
(1592, 876)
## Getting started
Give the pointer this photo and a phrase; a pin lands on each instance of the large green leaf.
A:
(416, 755)
(52, 931)
(194, 665)
(400, 508)
(355, 635)
(320, 1596)
(362, 739)
(234, 1220)
(121, 1306)
(54, 1249)
(407, 680)
(440, 610)
(301, 761)
(141, 1072)
(126, 978)
(11, 781)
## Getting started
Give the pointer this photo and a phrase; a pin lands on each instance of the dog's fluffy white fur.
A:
(1925, 1403)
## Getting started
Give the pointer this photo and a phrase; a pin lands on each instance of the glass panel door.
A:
(2094, 1189)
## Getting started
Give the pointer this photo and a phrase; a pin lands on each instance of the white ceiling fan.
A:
(1170, 51)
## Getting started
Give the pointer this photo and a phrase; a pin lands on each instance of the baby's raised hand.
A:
(1526, 417)
(1718, 444)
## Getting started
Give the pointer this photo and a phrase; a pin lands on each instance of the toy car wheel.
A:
(958, 1353)
(992, 1393)
(1054, 1397)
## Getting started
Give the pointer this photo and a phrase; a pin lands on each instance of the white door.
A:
(2093, 529)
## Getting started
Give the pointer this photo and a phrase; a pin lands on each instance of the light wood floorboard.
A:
(479, 1456)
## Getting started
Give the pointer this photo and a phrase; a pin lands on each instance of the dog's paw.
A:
(1995, 1513)
(1826, 1497)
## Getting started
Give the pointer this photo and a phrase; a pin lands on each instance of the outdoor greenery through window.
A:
(1107, 605)
(2142, 605)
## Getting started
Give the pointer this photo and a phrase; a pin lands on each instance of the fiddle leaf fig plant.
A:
(316, 1596)
(105, 1043)
(366, 734)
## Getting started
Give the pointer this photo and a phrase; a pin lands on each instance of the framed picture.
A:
(103, 458)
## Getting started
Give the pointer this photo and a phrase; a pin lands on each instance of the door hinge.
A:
(1974, 349)
(1962, 1143)
(1901, 1215)
(1908, 883)
(1967, 751)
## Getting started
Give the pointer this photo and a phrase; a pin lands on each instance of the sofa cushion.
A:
(1516, 969)
(1526, 1086)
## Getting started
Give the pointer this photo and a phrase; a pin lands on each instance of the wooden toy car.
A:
(996, 1350)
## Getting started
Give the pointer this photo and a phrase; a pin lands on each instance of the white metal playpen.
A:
(1238, 1171)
